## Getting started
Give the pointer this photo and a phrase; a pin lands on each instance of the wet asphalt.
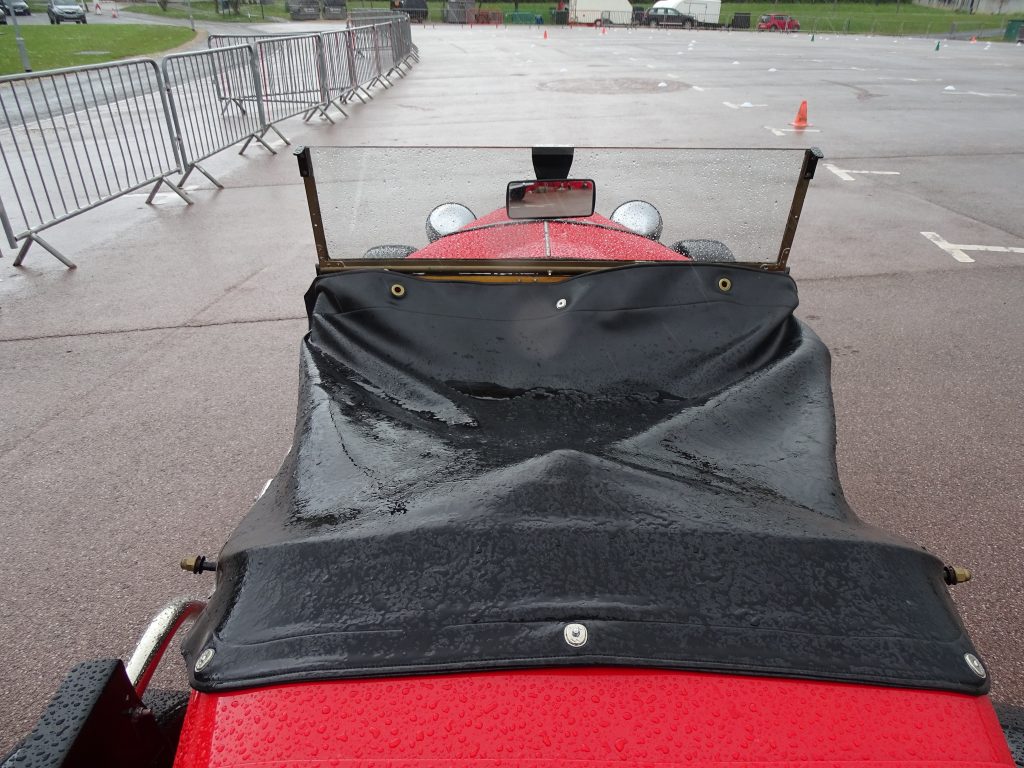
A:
(148, 395)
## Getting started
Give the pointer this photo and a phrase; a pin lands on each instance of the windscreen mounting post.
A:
(811, 158)
(313, 201)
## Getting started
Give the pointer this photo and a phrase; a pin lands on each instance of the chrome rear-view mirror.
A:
(554, 199)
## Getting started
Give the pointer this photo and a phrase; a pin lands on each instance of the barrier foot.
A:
(33, 238)
(365, 92)
(257, 137)
(198, 167)
(323, 114)
(272, 128)
(228, 102)
(174, 187)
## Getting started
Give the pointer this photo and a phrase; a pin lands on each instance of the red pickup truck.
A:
(777, 22)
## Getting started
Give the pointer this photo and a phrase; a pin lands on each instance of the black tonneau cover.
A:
(637, 450)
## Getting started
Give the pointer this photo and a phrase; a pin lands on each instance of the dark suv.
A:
(417, 9)
(668, 17)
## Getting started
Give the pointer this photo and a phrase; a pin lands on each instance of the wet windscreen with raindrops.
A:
(382, 196)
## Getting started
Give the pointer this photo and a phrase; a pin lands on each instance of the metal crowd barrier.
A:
(292, 77)
(359, 17)
(340, 83)
(72, 139)
(203, 121)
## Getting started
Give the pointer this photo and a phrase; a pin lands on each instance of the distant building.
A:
(1001, 7)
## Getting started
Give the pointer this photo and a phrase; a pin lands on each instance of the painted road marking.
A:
(697, 88)
(744, 105)
(976, 93)
(784, 131)
(847, 175)
(958, 251)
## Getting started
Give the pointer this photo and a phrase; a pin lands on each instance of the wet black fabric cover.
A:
(474, 467)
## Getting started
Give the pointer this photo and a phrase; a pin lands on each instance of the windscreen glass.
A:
(376, 203)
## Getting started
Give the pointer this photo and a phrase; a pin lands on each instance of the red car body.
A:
(777, 22)
(496, 236)
(590, 719)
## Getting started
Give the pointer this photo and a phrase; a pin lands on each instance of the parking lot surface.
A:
(149, 394)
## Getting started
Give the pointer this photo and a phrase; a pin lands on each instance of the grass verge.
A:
(203, 10)
(855, 18)
(69, 45)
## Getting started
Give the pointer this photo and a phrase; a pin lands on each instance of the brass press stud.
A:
(724, 284)
(398, 290)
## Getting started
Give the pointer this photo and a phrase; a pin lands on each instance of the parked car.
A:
(20, 7)
(778, 22)
(417, 9)
(3, 18)
(669, 17)
(63, 10)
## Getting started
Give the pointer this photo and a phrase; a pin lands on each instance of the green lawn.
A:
(68, 45)
(204, 10)
(863, 18)
(887, 18)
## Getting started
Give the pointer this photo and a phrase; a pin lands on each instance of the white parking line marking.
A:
(744, 105)
(698, 88)
(958, 251)
(845, 173)
(976, 93)
(784, 131)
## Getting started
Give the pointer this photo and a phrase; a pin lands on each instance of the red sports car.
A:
(559, 494)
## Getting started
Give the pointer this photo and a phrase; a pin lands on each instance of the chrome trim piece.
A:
(157, 637)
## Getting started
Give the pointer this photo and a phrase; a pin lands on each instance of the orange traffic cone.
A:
(604, 30)
(974, 39)
(99, 11)
(545, 34)
(801, 117)
(114, 12)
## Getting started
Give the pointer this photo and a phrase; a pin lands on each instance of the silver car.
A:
(64, 10)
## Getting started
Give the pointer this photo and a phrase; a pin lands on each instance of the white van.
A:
(600, 12)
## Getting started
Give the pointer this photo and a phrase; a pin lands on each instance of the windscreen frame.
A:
(527, 267)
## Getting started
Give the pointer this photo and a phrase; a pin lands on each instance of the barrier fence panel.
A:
(214, 100)
(409, 50)
(385, 53)
(359, 17)
(367, 57)
(400, 55)
(291, 73)
(72, 139)
(291, 77)
(339, 76)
